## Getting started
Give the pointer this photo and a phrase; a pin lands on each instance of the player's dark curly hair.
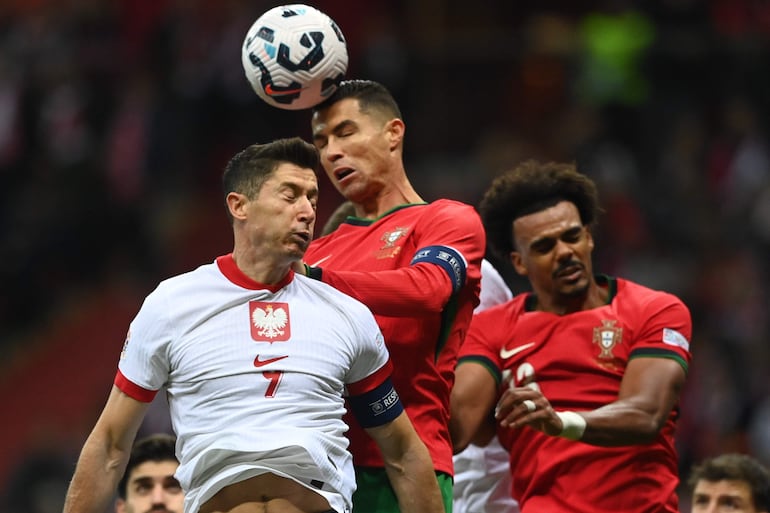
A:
(371, 96)
(250, 168)
(736, 467)
(157, 447)
(530, 187)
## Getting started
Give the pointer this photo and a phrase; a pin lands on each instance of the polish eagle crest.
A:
(270, 322)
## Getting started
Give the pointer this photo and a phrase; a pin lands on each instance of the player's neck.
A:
(260, 269)
(595, 296)
(395, 195)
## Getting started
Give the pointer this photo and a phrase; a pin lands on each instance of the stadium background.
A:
(116, 118)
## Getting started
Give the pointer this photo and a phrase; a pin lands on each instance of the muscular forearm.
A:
(634, 419)
(415, 484)
(620, 424)
(96, 477)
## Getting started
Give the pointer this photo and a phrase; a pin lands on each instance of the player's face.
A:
(553, 250)
(280, 220)
(722, 497)
(356, 148)
(152, 488)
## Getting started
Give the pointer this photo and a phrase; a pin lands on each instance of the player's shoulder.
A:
(332, 299)
(452, 213)
(197, 278)
(639, 296)
(451, 205)
(511, 309)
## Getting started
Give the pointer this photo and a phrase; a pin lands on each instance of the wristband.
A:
(573, 425)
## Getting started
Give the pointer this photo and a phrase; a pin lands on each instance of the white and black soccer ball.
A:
(294, 56)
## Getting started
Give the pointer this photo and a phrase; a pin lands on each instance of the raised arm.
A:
(405, 292)
(409, 466)
(105, 454)
(448, 249)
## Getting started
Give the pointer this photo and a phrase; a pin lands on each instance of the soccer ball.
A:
(294, 56)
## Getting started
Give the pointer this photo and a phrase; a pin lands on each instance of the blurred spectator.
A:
(730, 482)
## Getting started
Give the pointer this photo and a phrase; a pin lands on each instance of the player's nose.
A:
(333, 150)
(158, 497)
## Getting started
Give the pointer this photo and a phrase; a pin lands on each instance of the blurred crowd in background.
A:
(117, 117)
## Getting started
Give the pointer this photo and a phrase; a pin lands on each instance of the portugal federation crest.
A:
(607, 336)
(389, 249)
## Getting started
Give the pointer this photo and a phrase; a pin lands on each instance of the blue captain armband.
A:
(449, 259)
(377, 406)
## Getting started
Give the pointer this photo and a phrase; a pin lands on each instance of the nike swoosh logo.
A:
(319, 262)
(272, 92)
(261, 363)
(507, 353)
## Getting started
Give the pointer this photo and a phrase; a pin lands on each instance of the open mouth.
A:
(341, 173)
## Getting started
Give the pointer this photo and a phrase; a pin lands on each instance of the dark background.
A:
(117, 117)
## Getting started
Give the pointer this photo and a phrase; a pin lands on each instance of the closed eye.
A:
(546, 244)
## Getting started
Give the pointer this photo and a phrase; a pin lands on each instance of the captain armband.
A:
(573, 425)
(377, 406)
(447, 258)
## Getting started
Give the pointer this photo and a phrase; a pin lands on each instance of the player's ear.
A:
(590, 238)
(120, 505)
(236, 204)
(518, 263)
(395, 129)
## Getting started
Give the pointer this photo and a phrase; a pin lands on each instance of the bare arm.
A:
(471, 402)
(105, 454)
(649, 390)
(409, 466)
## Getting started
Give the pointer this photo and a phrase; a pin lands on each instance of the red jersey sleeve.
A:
(451, 244)
(667, 331)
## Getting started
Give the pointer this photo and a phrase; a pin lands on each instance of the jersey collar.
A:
(231, 271)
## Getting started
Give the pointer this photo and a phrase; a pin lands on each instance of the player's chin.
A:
(297, 250)
(575, 289)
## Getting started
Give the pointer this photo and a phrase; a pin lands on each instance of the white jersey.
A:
(482, 481)
(494, 290)
(255, 376)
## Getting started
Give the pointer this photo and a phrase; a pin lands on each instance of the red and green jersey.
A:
(418, 269)
(578, 361)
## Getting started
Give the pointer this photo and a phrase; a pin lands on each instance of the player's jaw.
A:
(571, 278)
(298, 241)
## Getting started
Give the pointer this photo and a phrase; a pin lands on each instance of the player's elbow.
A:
(655, 425)
(459, 434)
(647, 429)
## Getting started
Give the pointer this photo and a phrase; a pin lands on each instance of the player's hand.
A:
(523, 406)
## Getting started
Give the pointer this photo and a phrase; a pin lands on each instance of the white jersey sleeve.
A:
(144, 360)
(494, 290)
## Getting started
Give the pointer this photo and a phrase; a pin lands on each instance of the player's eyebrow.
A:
(549, 240)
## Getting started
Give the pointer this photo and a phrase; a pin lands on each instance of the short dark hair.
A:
(530, 187)
(371, 96)
(249, 169)
(736, 467)
(156, 447)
